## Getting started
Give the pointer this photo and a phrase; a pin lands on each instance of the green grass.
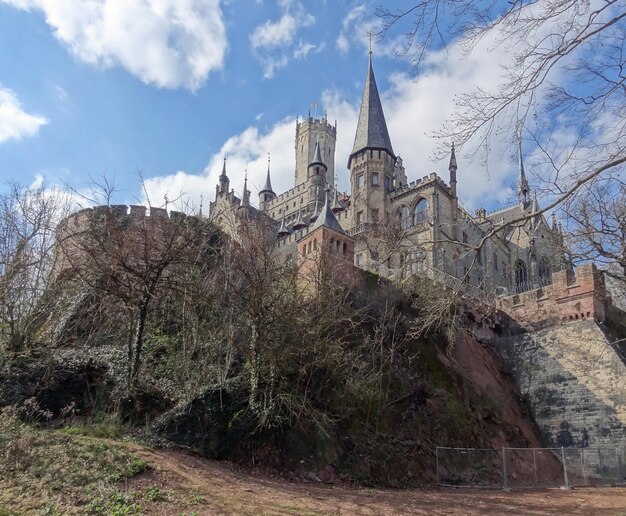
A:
(43, 471)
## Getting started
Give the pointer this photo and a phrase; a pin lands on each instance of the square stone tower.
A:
(308, 132)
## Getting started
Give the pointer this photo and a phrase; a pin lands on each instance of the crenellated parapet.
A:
(122, 224)
(571, 297)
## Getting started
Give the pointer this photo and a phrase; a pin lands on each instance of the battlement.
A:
(570, 297)
(133, 212)
(317, 124)
(409, 187)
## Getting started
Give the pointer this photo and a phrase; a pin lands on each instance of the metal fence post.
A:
(582, 465)
(535, 464)
(437, 462)
(617, 467)
(566, 486)
(469, 466)
(505, 486)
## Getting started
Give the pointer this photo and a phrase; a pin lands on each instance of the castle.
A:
(390, 225)
(564, 342)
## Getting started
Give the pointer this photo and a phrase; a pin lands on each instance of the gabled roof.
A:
(371, 131)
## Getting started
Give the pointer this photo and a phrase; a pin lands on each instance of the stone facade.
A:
(400, 227)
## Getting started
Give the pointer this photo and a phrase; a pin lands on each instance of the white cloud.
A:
(355, 27)
(168, 43)
(15, 123)
(414, 108)
(274, 42)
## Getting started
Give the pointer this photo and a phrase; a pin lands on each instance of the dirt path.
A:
(197, 486)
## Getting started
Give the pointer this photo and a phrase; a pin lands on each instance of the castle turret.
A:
(245, 198)
(224, 182)
(317, 181)
(267, 193)
(372, 162)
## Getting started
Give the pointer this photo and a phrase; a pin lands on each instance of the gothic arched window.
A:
(545, 272)
(521, 276)
(420, 212)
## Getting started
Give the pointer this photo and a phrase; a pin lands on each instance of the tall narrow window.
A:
(360, 180)
(375, 179)
(421, 211)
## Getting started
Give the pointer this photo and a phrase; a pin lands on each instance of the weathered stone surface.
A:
(575, 382)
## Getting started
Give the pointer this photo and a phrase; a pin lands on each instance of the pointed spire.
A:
(299, 224)
(452, 165)
(327, 218)
(224, 182)
(268, 180)
(522, 182)
(246, 193)
(336, 207)
(371, 131)
(452, 168)
(283, 230)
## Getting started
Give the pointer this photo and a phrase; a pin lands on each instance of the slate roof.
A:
(327, 218)
(371, 131)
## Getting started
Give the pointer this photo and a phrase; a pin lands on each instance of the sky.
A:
(164, 90)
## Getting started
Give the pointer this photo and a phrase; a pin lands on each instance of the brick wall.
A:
(570, 297)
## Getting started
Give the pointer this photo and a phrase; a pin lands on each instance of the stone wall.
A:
(574, 380)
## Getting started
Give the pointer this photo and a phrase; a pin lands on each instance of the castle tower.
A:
(308, 133)
(316, 171)
(372, 163)
(267, 193)
(326, 251)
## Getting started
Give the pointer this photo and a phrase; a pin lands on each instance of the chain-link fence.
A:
(516, 468)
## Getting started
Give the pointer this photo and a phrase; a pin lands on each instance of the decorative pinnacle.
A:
(370, 35)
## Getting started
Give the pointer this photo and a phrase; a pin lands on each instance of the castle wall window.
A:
(345, 248)
(495, 261)
(360, 180)
(359, 217)
(374, 215)
(521, 277)
(421, 211)
(359, 260)
(545, 272)
(375, 179)
(465, 237)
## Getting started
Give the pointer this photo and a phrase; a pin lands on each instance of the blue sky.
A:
(169, 87)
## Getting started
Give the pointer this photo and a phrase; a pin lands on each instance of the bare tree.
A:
(562, 89)
(28, 221)
(135, 259)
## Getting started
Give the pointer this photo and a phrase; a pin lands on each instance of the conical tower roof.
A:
(371, 131)
(327, 218)
(268, 180)
(336, 207)
(299, 224)
(283, 230)
(317, 157)
(223, 174)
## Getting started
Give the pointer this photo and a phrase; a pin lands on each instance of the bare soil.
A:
(193, 485)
